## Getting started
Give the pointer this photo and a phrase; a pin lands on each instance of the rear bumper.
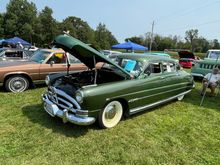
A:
(54, 110)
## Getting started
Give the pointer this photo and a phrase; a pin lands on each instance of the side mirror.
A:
(51, 63)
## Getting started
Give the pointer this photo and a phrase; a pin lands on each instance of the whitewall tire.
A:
(111, 115)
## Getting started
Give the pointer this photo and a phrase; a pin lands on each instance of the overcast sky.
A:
(127, 18)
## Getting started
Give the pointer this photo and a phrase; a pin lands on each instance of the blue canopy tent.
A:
(16, 40)
(129, 46)
(1, 40)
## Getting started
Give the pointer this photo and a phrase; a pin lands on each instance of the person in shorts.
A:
(211, 80)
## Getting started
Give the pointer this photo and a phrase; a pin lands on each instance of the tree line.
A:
(192, 41)
(22, 19)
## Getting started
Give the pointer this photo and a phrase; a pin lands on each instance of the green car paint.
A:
(202, 67)
(158, 80)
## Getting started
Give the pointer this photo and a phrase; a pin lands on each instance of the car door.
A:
(75, 64)
(55, 64)
(173, 83)
(149, 87)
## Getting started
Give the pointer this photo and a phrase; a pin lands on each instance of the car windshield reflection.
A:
(129, 65)
(40, 56)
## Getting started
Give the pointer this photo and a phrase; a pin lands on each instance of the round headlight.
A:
(79, 96)
(47, 80)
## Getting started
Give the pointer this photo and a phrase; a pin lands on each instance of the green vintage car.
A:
(202, 67)
(108, 90)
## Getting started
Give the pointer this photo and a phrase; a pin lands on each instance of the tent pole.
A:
(203, 97)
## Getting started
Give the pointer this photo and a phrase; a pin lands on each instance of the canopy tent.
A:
(129, 46)
(16, 40)
(1, 40)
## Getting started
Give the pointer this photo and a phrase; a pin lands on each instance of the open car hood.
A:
(83, 52)
(186, 54)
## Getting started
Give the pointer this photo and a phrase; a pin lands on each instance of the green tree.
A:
(48, 26)
(79, 29)
(19, 19)
(191, 36)
(215, 44)
(104, 37)
(202, 45)
(1, 25)
(135, 39)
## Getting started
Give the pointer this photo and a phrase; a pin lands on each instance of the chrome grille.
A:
(62, 100)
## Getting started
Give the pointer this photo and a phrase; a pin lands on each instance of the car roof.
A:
(214, 50)
(144, 57)
(53, 50)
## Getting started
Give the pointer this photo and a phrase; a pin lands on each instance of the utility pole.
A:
(152, 35)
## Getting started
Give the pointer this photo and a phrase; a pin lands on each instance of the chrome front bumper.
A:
(54, 110)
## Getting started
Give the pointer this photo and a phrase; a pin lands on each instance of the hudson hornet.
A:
(108, 90)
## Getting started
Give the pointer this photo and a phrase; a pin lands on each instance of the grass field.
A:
(180, 132)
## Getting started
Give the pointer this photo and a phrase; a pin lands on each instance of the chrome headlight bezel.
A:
(79, 96)
(47, 80)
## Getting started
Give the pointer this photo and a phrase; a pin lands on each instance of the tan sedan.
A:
(17, 76)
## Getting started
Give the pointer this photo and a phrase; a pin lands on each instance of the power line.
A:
(186, 12)
(197, 25)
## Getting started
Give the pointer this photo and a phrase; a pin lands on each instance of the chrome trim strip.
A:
(138, 109)
(147, 90)
(197, 74)
(136, 99)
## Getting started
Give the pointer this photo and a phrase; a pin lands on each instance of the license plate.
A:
(49, 109)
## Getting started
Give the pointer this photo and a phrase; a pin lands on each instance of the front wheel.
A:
(16, 84)
(111, 115)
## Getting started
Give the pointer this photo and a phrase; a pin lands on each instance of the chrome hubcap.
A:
(17, 85)
(110, 112)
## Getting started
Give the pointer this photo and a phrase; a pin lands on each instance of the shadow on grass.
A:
(195, 98)
(36, 114)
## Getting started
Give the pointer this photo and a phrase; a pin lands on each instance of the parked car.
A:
(17, 76)
(133, 84)
(110, 52)
(159, 54)
(186, 59)
(202, 67)
(14, 54)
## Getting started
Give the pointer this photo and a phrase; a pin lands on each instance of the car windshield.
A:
(214, 54)
(40, 56)
(131, 66)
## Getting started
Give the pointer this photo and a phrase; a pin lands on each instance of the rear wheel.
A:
(16, 84)
(111, 115)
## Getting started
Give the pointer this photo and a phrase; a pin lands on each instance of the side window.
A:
(73, 59)
(14, 54)
(153, 68)
(58, 58)
(169, 67)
